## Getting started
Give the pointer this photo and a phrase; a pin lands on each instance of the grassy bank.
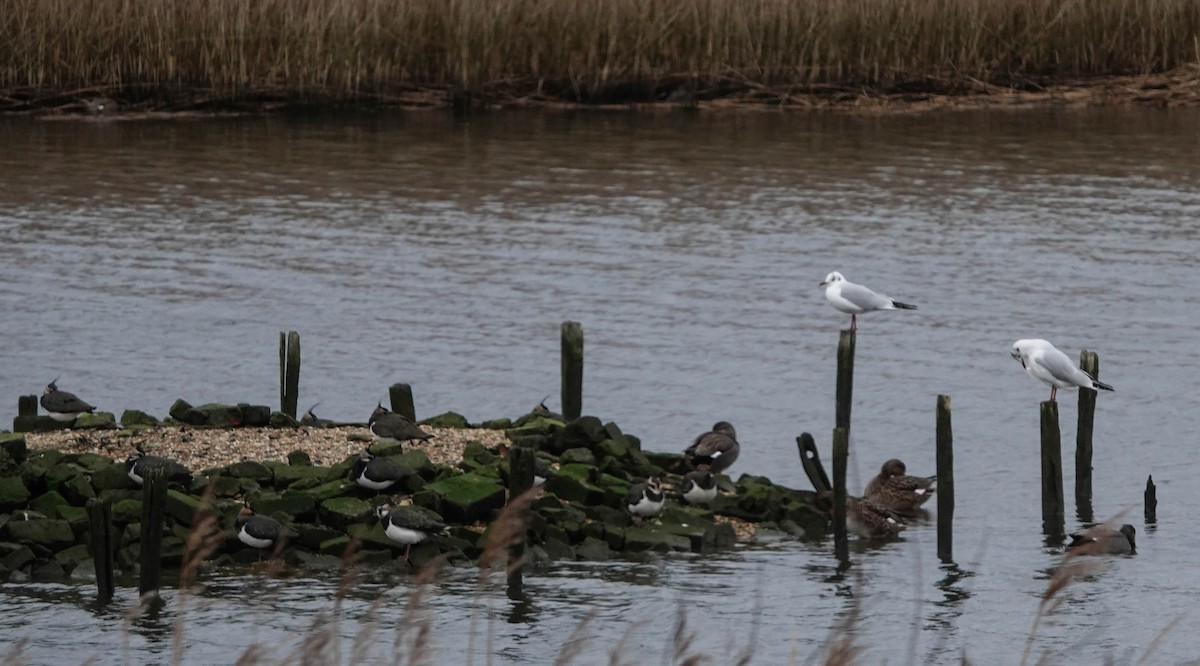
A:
(194, 52)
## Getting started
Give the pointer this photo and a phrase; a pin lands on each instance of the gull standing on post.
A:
(1043, 361)
(857, 299)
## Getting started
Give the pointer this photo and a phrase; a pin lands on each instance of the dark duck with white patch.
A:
(646, 500)
(408, 525)
(1102, 540)
(371, 471)
(718, 448)
(699, 487)
(385, 424)
(894, 490)
(137, 463)
(258, 531)
(63, 406)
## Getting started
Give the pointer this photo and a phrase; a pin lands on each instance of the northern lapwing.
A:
(63, 406)
(645, 500)
(855, 299)
(385, 424)
(718, 448)
(863, 517)
(408, 524)
(258, 531)
(543, 411)
(1101, 540)
(137, 463)
(309, 418)
(1044, 361)
(371, 471)
(541, 471)
(699, 486)
(895, 491)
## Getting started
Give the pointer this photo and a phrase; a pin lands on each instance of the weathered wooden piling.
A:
(841, 452)
(1151, 499)
(99, 513)
(401, 397)
(810, 459)
(154, 502)
(289, 372)
(521, 470)
(572, 370)
(945, 481)
(27, 405)
(845, 378)
(1052, 475)
(1089, 362)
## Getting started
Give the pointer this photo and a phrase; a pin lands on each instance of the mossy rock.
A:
(447, 420)
(127, 511)
(182, 411)
(47, 502)
(281, 420)
(479, 454)
(47, 570)
(468, 498)
(136, 417)
(112, 476)
(584, 432)
(496, 424)
(181, 507)
(224, 486)
(95, 421)
(69, 558)
(249, 469)
(312, 536)
(220, 415)
(38, 424)
(254, 416)
(13, 493)
(594, 550)
(556, 549)
(75, 515)
(48, 533)
(313, 561)
(13, 444)
(92, 462)
(15, 556)
(286, 475)
(77, 489)
(335, 546)
(342, 512)
(299, 458)
(577, 456)
(638, 539)
(329, 490)
(572, 490)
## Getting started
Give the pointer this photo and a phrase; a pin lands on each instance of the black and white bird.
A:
(856, 299)
(699, 486)
(1102, 540)
(137, 464)
(408, 524)
(63, 406)
(717, 449)
(646, 500)
(894, 490)
(385, 424)
(1043, 361)
(309, 418)
(376, 473)
(258, 531)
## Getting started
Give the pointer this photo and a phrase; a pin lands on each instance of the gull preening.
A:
(1043, 361)
(856, 299)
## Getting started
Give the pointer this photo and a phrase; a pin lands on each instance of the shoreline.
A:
(1177, 88)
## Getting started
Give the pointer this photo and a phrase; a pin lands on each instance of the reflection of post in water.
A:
(100, 527)
(1089, 362)
(1052, 486)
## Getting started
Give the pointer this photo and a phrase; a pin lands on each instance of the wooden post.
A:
(1151, 497)
(100, 528)
(572, 370)
(1052, 487)
(845, 379)
(945, 481)
(521, 461)
(289, 372)
(810, 459)
(27, 405)
(154, 501)
(402, 401)
(841, 451)
(1089, 362)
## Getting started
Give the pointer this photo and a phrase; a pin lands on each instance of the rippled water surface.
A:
(153, 260)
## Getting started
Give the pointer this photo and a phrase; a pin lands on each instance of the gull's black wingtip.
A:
(903, 306)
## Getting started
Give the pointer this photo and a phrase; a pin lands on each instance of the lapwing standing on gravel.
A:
(718, 448)
(385, 424)
(137, 464)
(699, 487)
(309, 418)
(258, 531)
(63, 406)
(408, 524)
(371, 471)
(645, 500)
(895, 491)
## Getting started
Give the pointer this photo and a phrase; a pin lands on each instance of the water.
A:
(153, 260)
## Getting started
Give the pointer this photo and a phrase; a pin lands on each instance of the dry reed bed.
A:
(586, 50)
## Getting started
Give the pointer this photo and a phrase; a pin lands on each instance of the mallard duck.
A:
(717, 449)
(895, 491)
(1101, 540)
(856, 299)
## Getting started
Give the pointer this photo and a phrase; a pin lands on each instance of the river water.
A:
(150, 260)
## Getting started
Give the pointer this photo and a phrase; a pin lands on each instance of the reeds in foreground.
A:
(599, 50)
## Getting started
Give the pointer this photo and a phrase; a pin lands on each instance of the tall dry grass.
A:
(579, 49)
